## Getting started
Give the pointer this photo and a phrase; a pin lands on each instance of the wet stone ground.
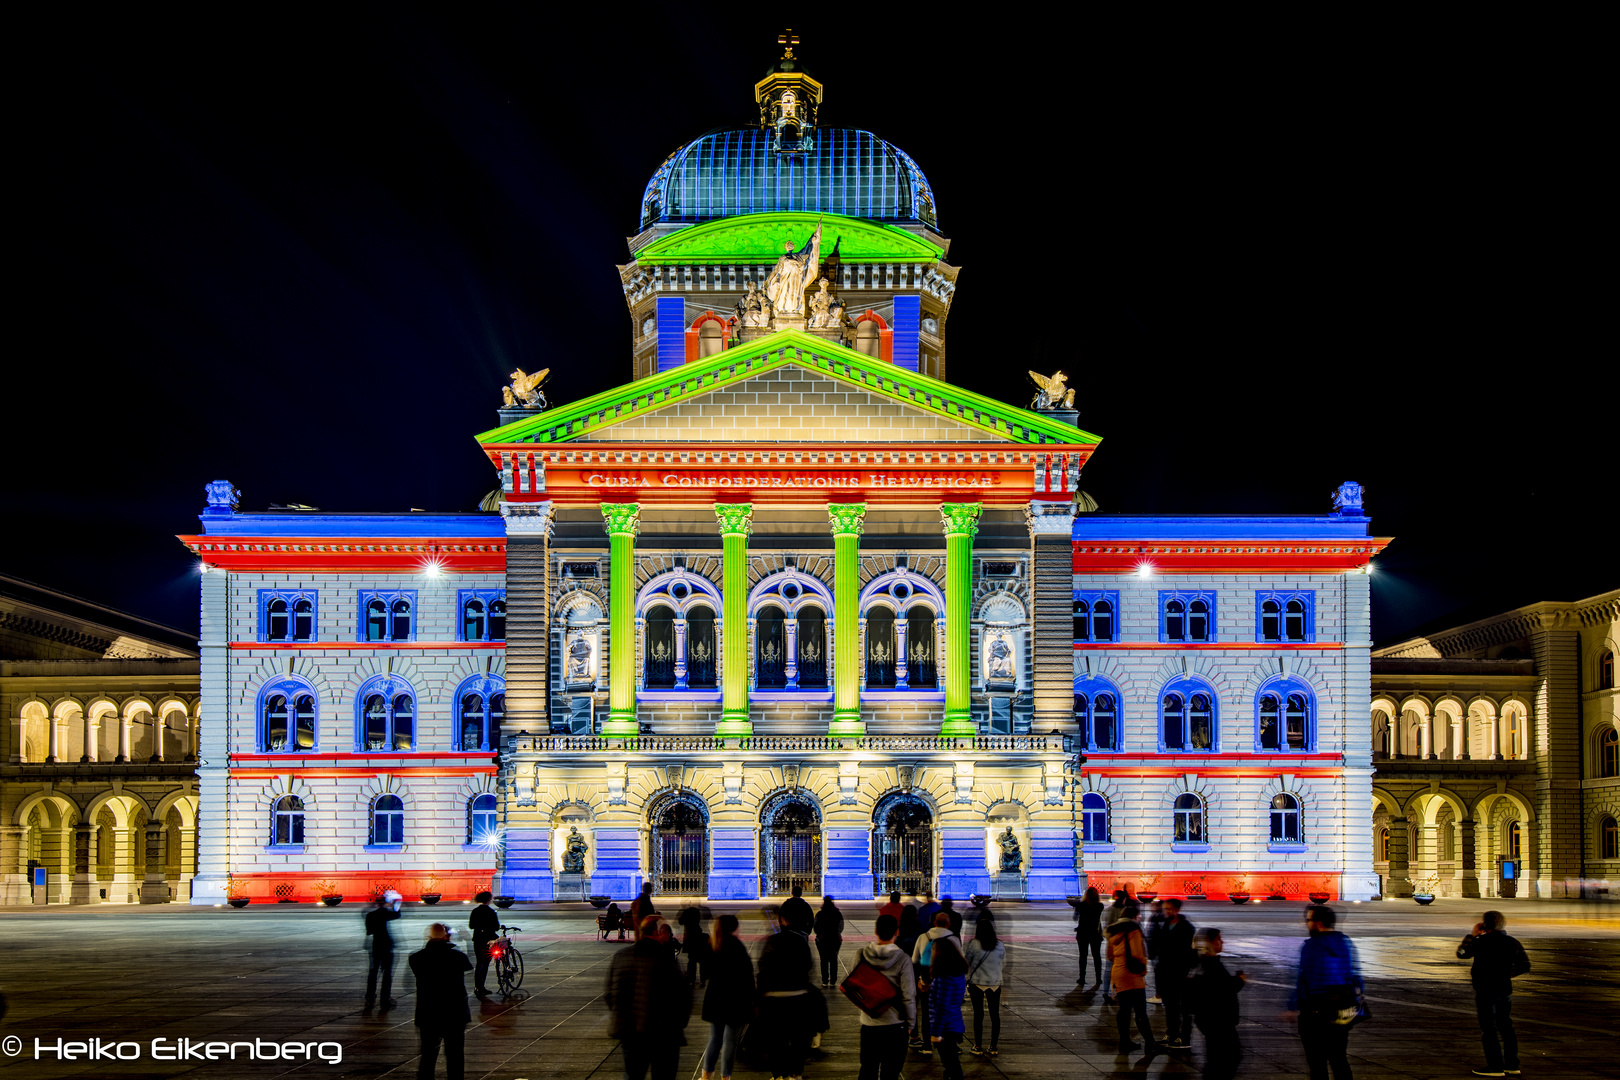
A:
(297, 973)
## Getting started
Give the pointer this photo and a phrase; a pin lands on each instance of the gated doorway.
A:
(790, 845)
(680, 846)
(902, 845)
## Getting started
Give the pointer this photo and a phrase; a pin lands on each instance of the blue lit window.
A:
(1188, 822)
(286, 616)
(287, 821)
(287, 716)
(1285, 820)
(1284, 717)
(1187, 716)
(1284, 616)
(1094, 818)
(1096, 616)
(481, 821)
(483, 614)
(385, 718)
(480, 704)
(388, 616)
(1186, 616)
(387, 820)
(1096, 713)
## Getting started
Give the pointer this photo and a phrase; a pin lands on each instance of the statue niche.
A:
(574, 852)
(1012, 853)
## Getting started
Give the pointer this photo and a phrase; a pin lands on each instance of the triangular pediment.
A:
(757, 391)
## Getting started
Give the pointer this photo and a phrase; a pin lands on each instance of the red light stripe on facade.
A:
(348, 554)
(315, 645)
(1269, 557)
(1089, 645)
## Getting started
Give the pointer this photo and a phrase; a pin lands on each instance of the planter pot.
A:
(979, 900)
(1239, 898)
(1423, 898)
(286, 900)
(504, 902)
(1147, 897)
(600, 902)
(332, 901)
(431, 897)
(1319, 897)
(238, 901)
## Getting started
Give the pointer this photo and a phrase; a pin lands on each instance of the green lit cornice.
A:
(759, 238)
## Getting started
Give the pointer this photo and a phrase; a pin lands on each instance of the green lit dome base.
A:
(761, 238)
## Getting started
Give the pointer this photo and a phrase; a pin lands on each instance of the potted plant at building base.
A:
(430, 891)
(1320, 894)
(600, 902)
(1238, 891)
(328, 892)
(1146, 890)
(236, 892)
(1424, 888)
(504, 902)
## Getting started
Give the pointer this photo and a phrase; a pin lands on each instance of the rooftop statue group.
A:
(783, 293)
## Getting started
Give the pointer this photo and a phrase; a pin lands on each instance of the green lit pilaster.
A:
(961, 522)
(736, 523)
(622, 522)
(847, 520)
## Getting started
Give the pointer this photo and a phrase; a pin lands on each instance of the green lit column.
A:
(622, 522)
(847, 520)
(736, 523)
(961, 525)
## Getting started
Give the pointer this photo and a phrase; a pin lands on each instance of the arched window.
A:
(286, 717)
(399, 620)
(481, 706)
(1270, 620)
(387, 820)
(770, 648)
(880, 648)
(277, 620)
(1515, 735)
(1175, 620)
(1606, 670)
(1609, 753)
(1294, 620)
(921, 672)
(275, 723)
(660, 649)
(483, 614)
(286, 616)
(1198, 621)
(387, 720)
(700, 648)
(710, 340)
(287, 820)
(1283, 720)
(1188, 720)
(1609, 834)
(1285, 820)
(1514, 840)
(481, 828)
(376, 620)
(1094, 818)
(497, 620)
(1186, 617)
(1174, 734)
(1383, 845)
(1102, 620)
(388, 615)
(812, 647)
(1270, 722)
(473, 620)
(1096, 714)
(1189, 819)
(1082, 621)
(867, 337)
(303, 622)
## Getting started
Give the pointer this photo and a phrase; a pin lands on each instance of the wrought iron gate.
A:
(680, 848)
(790, 846)
(903, 847)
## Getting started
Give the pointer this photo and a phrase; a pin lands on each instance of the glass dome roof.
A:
(846, 171)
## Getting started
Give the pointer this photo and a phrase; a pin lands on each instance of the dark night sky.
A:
(302, 253)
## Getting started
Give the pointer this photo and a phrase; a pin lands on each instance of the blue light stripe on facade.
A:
(671, 316)
(907, 325)
(1124, 527)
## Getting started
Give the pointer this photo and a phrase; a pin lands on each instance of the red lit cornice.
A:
(1089, 645)
(1227, 556)
(345, 554)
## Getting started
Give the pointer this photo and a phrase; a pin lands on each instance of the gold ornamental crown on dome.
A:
(787, 96)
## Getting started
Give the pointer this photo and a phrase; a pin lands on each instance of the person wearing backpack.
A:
(1127, 955)
(1326, 996)
(946, 985)
(884, 1027)
(1497, 959)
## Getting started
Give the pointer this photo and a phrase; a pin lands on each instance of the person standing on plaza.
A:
(927, 910)
(786, 1009)
(442, 1015)
(796, 913)
(1115, 912)
(649, 1002)
(892, 907)
(382, 949)
(1327, 988)
(693, 943)
(486, 927)
(910, 929)
(829, 927)
(1155, 923)
(1088, 914)
(883, 1037)
(1212, 997)
(1174, 956)
(641, 908)
(728, 1003)
(947, 983)
(916, 939)
(1497, 959)
(945, 906)
(986, 956)
(1127, 957)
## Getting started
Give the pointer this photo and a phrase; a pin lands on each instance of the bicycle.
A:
(508, 962)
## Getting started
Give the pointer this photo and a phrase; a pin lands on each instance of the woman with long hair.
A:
(1088, 934)
(728, 1004)
(985, 957)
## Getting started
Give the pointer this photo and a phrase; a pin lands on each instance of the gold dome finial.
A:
(788, 100)
(788, 39)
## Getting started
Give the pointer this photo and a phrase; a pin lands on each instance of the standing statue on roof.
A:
(792, 275)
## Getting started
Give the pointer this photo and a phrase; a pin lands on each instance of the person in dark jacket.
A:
(946, 908)
(947, 984)
(693, 942)
(382, 952)
(1088, 912)
(829, 927)
(787, 1012)
(1497, 959)
(910, 929)
(442, 1015)
(728, 1004)
(1150, 934)
(640, 908)
(1113, 914)
(795, 913)
(1328, 983)
(1173, 955)
(1212, 997)
(927, 910)
(486, 927)
(650, 1003)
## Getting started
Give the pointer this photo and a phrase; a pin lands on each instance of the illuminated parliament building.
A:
(786, 608)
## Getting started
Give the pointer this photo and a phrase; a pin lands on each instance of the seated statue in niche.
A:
(579, 661)
(574, 854)
(1001, 659)
(1012, 854)
(754, 309)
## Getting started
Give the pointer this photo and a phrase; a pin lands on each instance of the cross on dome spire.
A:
(788, 99)
(789, 39)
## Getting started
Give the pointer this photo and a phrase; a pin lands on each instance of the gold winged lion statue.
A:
(1053, 392)
(525, 388)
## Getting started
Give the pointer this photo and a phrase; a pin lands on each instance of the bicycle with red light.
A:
(507, 961)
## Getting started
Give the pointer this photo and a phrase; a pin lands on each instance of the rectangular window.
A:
(1186, 617)
(388, 616)
(1283, 617)
(287, 615)
(1096, 615)
(481, 615)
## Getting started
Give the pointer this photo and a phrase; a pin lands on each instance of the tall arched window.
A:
(1294, 620)
(1515, 735)
(1609, 834)
(480, 708)
(812, 647)
(287, 717)
(387, 720)
(481, 828)
(399, 620)
(1270, 620)
(287, 820)
(1096, 714)
(497, 620)
(880, 648)
(1094, 818)
(1189, 819)
(1383, 845)
(1605, 679)
(660, 649)
(700, 648)
(1082, 620)
(1283, 717)
(921, 672)
(770, 648)
(1609, 752)
(387, 820)
(1514, 840)
(303, 621)
(376, 620)
(277, 617)
(1285, 819)
(473, 620)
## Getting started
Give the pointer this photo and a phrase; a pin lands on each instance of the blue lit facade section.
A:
(671, 316)
(907, 326)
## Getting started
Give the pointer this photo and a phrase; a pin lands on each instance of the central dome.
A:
(838, 171)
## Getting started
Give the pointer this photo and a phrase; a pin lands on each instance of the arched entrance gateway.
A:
(790, 845)
(902, 845)
(679, 843)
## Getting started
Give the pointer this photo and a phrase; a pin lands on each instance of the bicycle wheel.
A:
(509, 976)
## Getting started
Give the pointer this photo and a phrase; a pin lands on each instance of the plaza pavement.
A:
(296, 972)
